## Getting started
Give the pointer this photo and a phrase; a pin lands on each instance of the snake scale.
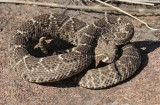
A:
(106, 41)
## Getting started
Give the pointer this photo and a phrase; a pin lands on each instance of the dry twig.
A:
(150, 1)
(135, 2)
(88, 8)
(106, 4)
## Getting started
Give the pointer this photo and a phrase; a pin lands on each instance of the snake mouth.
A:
(52, 46)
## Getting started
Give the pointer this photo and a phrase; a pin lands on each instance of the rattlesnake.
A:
(105, 40)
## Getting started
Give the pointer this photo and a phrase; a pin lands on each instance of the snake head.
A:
(105, 52)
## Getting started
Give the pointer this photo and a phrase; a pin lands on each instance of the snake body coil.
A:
(86, 39)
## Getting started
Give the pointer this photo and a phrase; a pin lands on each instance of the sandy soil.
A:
(141, 89)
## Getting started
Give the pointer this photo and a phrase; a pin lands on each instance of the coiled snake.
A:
(106, 40)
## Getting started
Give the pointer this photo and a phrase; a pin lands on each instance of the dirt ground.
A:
(142, 89)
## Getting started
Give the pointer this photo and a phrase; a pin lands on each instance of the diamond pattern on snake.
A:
(69, 46)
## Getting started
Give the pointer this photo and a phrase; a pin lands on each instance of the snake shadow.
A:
(144, 47)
